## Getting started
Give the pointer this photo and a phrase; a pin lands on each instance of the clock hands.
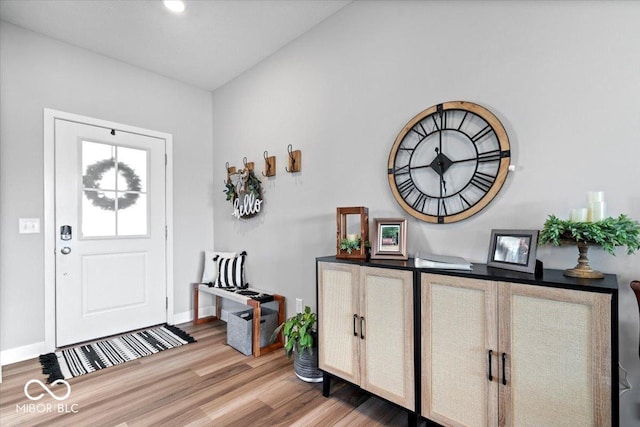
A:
(440, 164)
(441, 168)
(487, 156)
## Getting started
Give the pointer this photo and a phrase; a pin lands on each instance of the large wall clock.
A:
(449, 162)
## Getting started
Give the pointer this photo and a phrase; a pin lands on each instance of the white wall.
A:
(38, 72)
(561, 76)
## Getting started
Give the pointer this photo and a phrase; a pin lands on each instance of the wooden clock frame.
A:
(501, 155)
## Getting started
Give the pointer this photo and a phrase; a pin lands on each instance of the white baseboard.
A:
(18, 354)
(184, 317)
(187, 316)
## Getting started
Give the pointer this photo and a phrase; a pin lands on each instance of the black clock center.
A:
(440, 164)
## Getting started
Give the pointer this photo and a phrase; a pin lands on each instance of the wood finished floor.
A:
(203, 384)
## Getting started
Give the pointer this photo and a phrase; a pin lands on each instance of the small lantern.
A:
(356, 244)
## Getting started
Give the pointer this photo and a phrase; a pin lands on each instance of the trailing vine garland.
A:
(94, 174)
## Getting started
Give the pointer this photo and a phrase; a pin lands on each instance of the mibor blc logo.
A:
(60, 394)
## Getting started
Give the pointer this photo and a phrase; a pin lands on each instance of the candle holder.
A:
(582, 270)
(361, 251)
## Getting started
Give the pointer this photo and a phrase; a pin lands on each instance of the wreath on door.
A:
(94, 174)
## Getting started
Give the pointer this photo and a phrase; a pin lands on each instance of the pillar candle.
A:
(598, 211)
(352, 237)
(579, 215)
(595, 196)
(573, 214)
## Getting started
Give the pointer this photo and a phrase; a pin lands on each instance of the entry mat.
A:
(83, 359)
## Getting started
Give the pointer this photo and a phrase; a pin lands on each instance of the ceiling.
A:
(209, 44)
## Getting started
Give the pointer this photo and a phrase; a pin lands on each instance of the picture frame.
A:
(390, 239)
(513, 250)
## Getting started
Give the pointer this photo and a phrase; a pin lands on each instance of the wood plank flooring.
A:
(203, 384)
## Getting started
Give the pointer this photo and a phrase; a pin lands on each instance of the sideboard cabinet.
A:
(484, 347)
(365, 329)
(496, 353)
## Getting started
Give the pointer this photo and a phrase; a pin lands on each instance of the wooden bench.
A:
(221, 293)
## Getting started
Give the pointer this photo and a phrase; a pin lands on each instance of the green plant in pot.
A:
(300, 335)
(608, 234)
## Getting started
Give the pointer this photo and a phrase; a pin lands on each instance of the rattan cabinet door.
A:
(386, 345)
(338, 338)
(557, 364)
(459, 342)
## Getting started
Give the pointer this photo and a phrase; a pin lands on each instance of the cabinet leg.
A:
(195, 303)
(412, 419)
(326, 384)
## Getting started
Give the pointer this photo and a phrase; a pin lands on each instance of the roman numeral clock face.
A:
(449, 162)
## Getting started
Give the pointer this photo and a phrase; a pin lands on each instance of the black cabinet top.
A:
(549, 277)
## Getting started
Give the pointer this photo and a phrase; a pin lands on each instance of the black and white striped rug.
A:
(82, 359)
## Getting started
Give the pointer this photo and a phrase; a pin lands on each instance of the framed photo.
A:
(390, 239)
(513, 250)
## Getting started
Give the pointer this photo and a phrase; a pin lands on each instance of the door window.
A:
(114, 191)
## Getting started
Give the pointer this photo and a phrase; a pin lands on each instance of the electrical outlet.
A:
(299, 308)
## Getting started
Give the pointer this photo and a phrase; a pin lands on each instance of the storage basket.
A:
(240, 329)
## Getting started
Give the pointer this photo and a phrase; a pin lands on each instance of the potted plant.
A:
(608, 233)
(301, 338)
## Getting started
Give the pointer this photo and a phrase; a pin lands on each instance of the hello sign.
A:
(244, 191)
(250, 206)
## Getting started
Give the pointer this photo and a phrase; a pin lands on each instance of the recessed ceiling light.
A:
(175, 6)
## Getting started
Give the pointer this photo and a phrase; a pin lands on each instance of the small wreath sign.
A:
(94, 174)
(245, 194)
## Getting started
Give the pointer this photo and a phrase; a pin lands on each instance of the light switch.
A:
(28, 225)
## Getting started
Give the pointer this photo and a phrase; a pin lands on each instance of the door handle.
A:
(355, 318)
(66, 250)
(361, 327)
(504, 368)
(490, 374)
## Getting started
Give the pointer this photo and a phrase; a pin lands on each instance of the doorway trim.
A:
(50, 116)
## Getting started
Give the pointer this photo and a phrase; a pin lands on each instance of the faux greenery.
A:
(252, 186)
(352, 245)
(230, 190)
(608, 233)
(298, 332)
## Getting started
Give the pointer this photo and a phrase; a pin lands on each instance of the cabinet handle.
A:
(490, 374)
(361, 328)
(504, 368)
(355, 318)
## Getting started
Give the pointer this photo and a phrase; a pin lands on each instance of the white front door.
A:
(110, 231)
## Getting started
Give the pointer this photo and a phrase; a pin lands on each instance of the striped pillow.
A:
(210, 269)
(231, 272)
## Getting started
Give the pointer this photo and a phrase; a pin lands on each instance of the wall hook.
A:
(269, 164)
(294, 160)
(113, 131)
(230, 170)
(247, 165)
